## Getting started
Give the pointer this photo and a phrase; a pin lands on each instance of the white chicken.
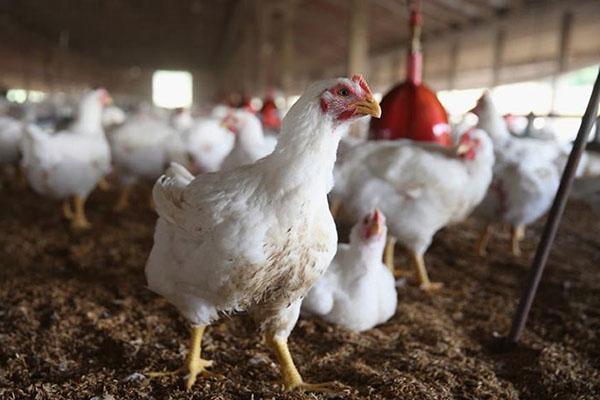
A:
(70, 163)
(113, 116)
(357, 291)
(257, 237)
(250, 142)
(182, 119)
(208, 143)
(526, 177)
(421, 187)
(11, 132)
(142, 148)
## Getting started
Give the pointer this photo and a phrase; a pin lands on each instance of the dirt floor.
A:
(77, 322)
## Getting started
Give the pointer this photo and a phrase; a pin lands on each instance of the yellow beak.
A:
(376, 227)
(462, 149)
(368, 107)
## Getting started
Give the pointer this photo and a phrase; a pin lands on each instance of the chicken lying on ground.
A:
(357, 291)
(420, 187)
(250, 142)
(70, 163)
(257, 237)
(142, 148)
(526, 176)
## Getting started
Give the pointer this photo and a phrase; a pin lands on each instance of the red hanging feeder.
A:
(411, 110)
(270, 114)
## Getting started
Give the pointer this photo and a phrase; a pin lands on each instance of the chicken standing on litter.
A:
(526, 177)
(420, 187)
(142, 148)
(357, 291)
(256, 238)
(70, 163)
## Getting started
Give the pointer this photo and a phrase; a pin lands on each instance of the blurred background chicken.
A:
(69, 164)
(142, 148)
(526, 176)
(207, 143)
(251, 143)
(421, 187)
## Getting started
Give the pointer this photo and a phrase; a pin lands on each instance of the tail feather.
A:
(168, 191)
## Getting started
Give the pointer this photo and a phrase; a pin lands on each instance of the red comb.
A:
(362, 83)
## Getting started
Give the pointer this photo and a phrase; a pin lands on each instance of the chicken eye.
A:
(343, 92)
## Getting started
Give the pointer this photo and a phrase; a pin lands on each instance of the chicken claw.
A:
(79, 221)
(67, 210)
(334, 207)
(103, 185)
(388, 255)
(484, 238)
(517, 234)
(422, 276)
(194, 365)
(123, 201)
(290, 375)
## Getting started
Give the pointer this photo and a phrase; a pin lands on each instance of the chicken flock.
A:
(246, 218)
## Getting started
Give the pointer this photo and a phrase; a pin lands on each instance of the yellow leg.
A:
(103, 185)
(289, 374)
(151, 203)
(123, 201)
(517, 234)
(79, 220)
(335, 206)
(194, 363)
(388, 255)
(483, 240)
(422, 276)
(67, 210)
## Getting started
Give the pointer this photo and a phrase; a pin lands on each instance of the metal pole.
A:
(558, 207)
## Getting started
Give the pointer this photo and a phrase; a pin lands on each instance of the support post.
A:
(287, 47)
(358, 41)
(566, 33)
(499, 43)
(554, 217)
(452, 71)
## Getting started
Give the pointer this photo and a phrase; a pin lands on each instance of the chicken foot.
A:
(482, 241)
(388, 255)
(290, 375)
(67, 210)
(123, 200)
(103, 185)
(422, 275)
(517, 233)
(194, 363)
(334, 207)
(79, 220)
